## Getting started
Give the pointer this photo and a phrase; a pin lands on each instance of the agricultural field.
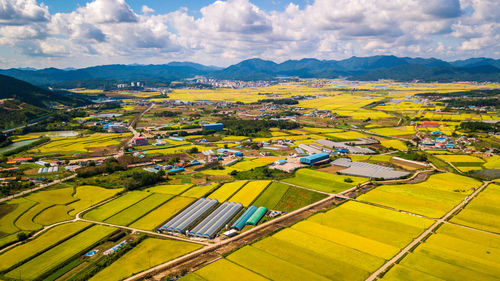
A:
(173, 189)
(396, 131)
(139, 209)
(148, 253)
(244, 165)
(336, 245)
(483, 212)
(80, 144)
(321, 181)
(224, 192)
(162, 213)
(49, 206)
(464, 163)
(42, 264)
(492, 162)
(349, 135)
(53, 236)
(247, 194)
(433, 197)
(395, 144)
(453, 253)
(107, 210)
(272, 195)
(199, 191)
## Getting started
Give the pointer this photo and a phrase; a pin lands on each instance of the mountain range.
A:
(354, 68)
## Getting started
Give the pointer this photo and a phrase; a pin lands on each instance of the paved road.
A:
(36, 188)
(424, 234)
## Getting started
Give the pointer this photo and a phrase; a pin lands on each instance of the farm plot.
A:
(395, 144)
(13, 209)
(199, 190)
(493, 162)
(483, 212)
(89, 195)
(433, 197)
(138, 209)
(349, 135)
(109, 209)
(147, 254)
(247, 194)
(454, 253)
(162, 213)
(223, 270)
(323, 181)
(244, 165)
(39, 244)
(44, 263)
(81, 144)
(319, 249)
(227, 190)
(173, 189)
(397, 131)
(464, 163)
(272, 195)
(296, 198)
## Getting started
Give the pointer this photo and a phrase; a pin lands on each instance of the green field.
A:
(139, 209)
(272, 195)
(227, 190)
(433, 197)
(89, 195)
(323, 181)
(483, 212)
(14, 209)
(162, 213)
(173, 189)
(109, 209)
(247, 194)
(41, 243)
(454, 253)
(147, 254)
(44, 263)
(296, 198)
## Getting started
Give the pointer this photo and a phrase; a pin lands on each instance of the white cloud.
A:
(224, 32)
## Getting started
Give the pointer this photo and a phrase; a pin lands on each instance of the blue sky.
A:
(77, 33)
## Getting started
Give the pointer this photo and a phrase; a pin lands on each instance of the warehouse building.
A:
(315, 158)
(213, 127)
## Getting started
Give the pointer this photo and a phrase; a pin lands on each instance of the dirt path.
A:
(423, 235)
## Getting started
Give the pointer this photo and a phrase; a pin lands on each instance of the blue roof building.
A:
(315, 158)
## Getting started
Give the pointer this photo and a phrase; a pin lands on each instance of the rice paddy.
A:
(322, 181)
(161, 214)
(433, 197)
(247, 194)
(81, 144)
(147, 254)
(227, 190)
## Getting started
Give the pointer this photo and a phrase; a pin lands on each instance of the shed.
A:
(315, 158)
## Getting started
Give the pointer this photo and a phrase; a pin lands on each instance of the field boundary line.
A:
(386, 266)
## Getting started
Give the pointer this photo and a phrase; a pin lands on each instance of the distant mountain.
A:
(21, 101)
(374, 67)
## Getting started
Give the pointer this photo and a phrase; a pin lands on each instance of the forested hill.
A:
(354, 68)
(11, 88)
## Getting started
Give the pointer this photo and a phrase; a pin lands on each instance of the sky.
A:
(80, 33)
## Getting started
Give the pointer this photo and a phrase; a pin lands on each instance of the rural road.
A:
(424, 234)
(36, 188)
